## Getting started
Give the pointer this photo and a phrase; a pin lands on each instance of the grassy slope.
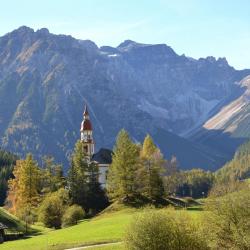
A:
(107, 227)
(15, 225)
(10, 221)
(104, 228)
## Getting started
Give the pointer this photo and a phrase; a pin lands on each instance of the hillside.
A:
(11, 222)
(238, 168)
(45, 80)
(107, 227)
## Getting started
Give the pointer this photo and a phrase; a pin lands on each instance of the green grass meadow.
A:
(106, 227)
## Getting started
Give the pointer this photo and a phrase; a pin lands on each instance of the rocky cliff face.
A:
(45, 80)
(230, 126)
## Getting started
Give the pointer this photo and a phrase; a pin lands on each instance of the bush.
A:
(161, 230)
(228, 222)
(72, 215)
(53, 208)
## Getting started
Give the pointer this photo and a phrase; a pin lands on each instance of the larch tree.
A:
(24, 188)
(121, 181)
(153, 162)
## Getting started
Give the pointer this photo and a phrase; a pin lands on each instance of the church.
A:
(103, 157)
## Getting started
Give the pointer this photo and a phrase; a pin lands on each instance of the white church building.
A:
(103, 157)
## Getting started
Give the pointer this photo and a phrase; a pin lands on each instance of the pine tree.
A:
(24, 189)
(7, 162)
(121, 181)
(96, 197)
(53, 178)
(83, 179)
(153, 163)
(78, 176)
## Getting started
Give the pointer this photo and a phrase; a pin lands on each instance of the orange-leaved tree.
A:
(24, 189)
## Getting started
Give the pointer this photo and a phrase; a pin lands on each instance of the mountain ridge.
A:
(45, 79)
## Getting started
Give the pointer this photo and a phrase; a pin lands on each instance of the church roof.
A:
(103, 156)
(86, 125)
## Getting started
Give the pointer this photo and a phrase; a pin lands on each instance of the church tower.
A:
(87, 134)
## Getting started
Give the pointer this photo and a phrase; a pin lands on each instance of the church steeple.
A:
(86, 112)
(87, 134)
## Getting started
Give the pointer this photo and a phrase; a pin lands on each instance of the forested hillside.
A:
(239, 167)
(7, 161)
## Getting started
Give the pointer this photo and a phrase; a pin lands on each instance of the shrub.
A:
(161, 230)
(53, 208)
(228, 222)
(72, 215)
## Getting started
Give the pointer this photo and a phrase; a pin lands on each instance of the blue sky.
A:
(196, 28)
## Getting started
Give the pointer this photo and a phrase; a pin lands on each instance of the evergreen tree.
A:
(83, 179)
(96, 197)
(24, 189)
(7, 162)
(121, 181)
(153, 163)
(53, 178)
(78, 176)
(195, 183)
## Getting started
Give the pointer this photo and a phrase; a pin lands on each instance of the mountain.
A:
(230, 126)
(45, 79)
(234, 118)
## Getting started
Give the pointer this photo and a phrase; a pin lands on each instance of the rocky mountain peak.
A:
(127, 44)
(43, 31)
(88, 44)
(23, 29)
